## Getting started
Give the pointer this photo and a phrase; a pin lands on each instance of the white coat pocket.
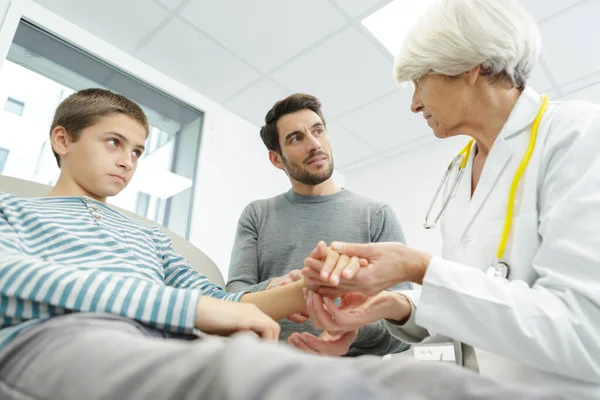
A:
(523, 243)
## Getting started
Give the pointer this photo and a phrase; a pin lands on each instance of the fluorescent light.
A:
(391, 23)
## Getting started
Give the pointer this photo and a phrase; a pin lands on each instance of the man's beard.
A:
(298, 173)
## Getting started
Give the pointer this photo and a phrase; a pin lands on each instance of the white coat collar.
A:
(522, 114)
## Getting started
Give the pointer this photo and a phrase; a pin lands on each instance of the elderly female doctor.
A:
(529, 304)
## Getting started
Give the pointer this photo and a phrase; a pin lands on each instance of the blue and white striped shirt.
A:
(74, 254)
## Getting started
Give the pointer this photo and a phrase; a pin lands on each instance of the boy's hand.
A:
(221, 317)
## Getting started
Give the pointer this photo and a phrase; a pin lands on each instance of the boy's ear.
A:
(275, 159)
(59, 138)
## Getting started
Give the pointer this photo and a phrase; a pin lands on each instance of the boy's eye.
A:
(113, 142)
(137, 153)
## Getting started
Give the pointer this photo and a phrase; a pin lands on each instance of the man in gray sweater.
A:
(275, 235)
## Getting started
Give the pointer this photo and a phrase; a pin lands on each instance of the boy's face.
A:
(104, 158)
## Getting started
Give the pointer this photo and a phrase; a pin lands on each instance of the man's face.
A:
(104, 159)
(305, 147)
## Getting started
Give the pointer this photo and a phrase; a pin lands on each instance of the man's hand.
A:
(292, 276)
(221, 317)
(327, 344)
(388, 264)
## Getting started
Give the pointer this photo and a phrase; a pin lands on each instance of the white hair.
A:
(455, 36)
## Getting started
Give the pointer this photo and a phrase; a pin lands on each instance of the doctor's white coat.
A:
(542, 326)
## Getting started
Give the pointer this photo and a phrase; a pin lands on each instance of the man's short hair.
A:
(84, 108)
(291, 104)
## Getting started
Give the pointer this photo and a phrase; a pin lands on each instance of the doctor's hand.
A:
(388, 264)
(326, 344)
(355, 310)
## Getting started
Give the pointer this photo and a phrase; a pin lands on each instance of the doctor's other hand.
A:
(326, 344)
(292, 276)
(355, 310)
(388, 264)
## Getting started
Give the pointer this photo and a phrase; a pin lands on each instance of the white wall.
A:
(408, 182)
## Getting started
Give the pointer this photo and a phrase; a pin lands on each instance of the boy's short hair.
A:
(289, 105)
(83, 109)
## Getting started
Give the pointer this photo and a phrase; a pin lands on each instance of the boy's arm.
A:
(27, 281)
(280, 301)
(277, 303)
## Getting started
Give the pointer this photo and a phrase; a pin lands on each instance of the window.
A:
(14, 106)
(42, 70)
(3, 158)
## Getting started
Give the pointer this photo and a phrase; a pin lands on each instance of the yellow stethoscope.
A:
(500, 268)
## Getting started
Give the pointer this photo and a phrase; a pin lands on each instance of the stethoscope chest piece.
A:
(498, 270)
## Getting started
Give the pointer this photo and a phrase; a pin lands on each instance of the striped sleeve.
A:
(30, 286)
(179, 273)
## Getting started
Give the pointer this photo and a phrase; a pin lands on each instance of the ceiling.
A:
(246, 55)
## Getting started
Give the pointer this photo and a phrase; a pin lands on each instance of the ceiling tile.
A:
(582, 83)
(567, 40)
(590, 93)
(265, 33)
(539, 79)
(412, 146)
(347, 148)
(254, 101)
(343, 72)
(357, 7)
(171, 4)
(124, 29)
(196, 61)
(543, 9)
(388, 122)
(364, 163)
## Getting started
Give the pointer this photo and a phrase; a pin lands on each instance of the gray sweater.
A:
(275, 235)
